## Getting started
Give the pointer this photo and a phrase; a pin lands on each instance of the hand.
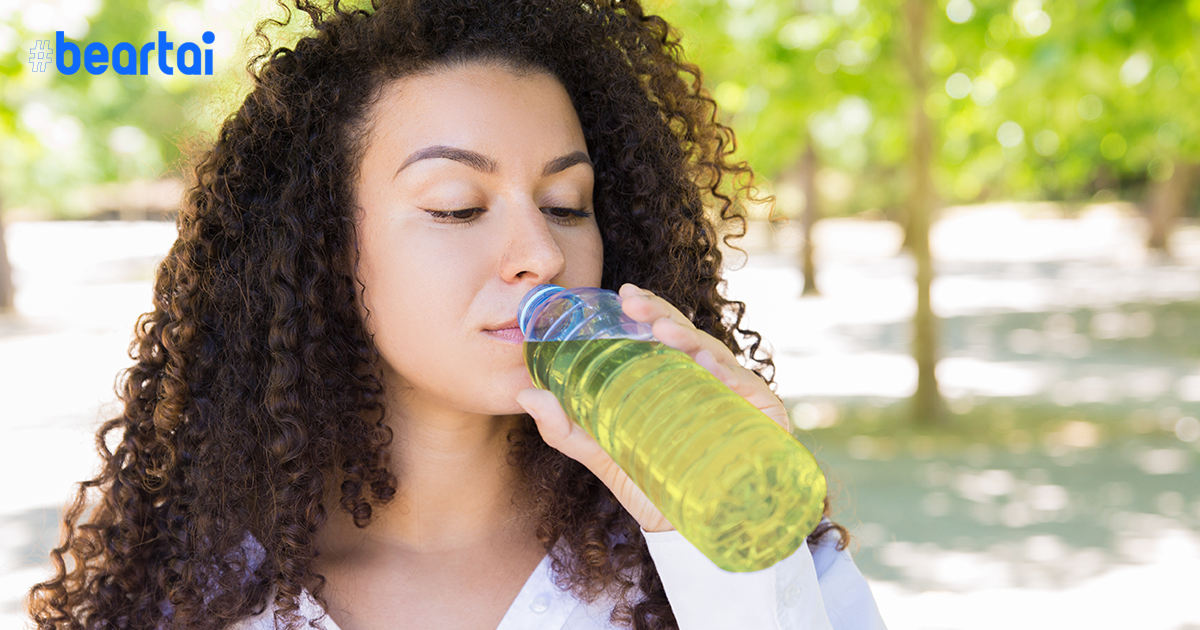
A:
(674, 330)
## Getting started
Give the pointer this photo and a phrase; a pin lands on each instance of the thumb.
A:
(562, 433)
(547, 412)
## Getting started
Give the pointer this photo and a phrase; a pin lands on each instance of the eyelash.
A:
(450, 216)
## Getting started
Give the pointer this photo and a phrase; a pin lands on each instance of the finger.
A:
(644, 306)
(559, 432)
(748, 385)
(690, 340)
(670, 326)
(710, 363)
(630, 289)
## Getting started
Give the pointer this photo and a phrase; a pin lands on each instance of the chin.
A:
(501, 400)
(508, 406)
(517, 410)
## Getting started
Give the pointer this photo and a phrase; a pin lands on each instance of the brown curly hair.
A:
(257, 387)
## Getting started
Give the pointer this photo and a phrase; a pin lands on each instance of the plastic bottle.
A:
(733, 482)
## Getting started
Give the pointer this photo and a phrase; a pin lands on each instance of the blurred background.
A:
(979, 279)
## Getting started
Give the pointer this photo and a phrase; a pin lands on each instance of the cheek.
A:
(409, 319)
(588, 262)
(399, 266)
(415, 293)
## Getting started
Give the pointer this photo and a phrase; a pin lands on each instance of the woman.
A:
(330, 420)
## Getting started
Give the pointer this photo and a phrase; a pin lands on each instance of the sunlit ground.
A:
(1064, 494)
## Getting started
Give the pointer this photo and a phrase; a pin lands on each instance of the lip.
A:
(508, 335)
(512, 323)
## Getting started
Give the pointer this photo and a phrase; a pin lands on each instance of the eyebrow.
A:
(484, 164)
(567, 161)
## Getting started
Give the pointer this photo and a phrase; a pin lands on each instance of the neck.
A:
(455, 491)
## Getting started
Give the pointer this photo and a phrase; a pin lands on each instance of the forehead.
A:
(485, 106)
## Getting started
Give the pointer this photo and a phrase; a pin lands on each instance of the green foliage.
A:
(1030, 99)
(789, 73)
(63, 135)
(1088, 95)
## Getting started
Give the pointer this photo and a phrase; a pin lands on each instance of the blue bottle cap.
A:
(536, 297)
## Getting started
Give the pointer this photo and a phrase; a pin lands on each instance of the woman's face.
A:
(475, 186)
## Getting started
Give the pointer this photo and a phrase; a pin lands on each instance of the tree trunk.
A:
(808, 175)
(1167, 201)
(6, 283)
(927, 404)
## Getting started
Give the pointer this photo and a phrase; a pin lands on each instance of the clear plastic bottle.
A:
(730, 479)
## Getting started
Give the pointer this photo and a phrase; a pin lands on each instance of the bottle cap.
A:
(536, 297)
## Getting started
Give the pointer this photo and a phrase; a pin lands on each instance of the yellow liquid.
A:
(730, 479)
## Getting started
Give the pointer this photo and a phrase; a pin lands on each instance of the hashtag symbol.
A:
(40, 56)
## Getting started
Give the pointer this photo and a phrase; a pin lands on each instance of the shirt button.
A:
(540, 604)
(791, 596)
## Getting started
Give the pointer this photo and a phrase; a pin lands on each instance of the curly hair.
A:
(256, 386)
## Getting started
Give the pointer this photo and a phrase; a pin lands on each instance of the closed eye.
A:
(466, 216)
(568, 216)
(462, 217)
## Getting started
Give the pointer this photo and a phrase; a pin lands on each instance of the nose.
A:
(532, 251)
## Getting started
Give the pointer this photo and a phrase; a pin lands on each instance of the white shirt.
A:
(819, 590)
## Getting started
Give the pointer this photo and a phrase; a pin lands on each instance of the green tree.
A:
(792, 81)
(927, 404)
(958, 100)
(64, 135)
(839, 83)
(1057, 101)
